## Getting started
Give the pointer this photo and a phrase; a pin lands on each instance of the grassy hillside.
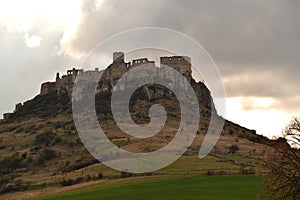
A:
(212, 188)
(40, 147)
(44, 152)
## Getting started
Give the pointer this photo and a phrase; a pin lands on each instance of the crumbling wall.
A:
(48, 87)
(179, 63)
(119, 67)
(6, 115)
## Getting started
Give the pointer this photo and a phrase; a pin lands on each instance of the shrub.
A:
(244, 170)
(9, 164)
(58, 125)
(46, 154)
(18, 185)
(4, 181)
(29, 160)
(78, 180)
(125, 174)
(67, 182)
(88, 177)
(57, 139)
(233, 149)
(100, 176)
(222, 172)
(44, 138)
(2, 147)
(80, 164)
(257, 139)
(210, 173)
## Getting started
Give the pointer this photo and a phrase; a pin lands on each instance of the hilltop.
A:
(40, 147)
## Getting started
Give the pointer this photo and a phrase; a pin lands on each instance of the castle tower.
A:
(74, 74)
(118, 57)
(180, 63)
(57, 78)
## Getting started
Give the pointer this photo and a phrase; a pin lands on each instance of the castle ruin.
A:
(111, 75)
(114, 72)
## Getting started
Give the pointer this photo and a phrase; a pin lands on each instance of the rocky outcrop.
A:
(119, 67)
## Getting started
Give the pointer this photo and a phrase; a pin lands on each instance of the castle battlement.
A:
(141, 61)
(114, 71)
(111, 75)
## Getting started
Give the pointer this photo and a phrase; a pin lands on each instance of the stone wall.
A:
(47, 87)
(63, 84)
(6, 115)
(114, 72)
(119, 67)
(180, 63)
(141, 61)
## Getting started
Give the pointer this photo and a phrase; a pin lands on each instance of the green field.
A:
(206, 188)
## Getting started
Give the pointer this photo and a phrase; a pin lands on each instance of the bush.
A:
(9, 164)
(221, 173)
(57, 139)
(233, 149)
(78, 180)
(4, 181)
(125, 174)
(100, 176)
(247, 170)
(70, 181)
(18, 185)
(58, 125)
(47, 154)
(88, 177)
(253, 138)
(80, 164)
(257, 139)
(210, 173)
(44, 138)
(67, 182)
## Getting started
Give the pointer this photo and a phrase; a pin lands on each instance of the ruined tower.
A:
(118, 57)
(179, 63)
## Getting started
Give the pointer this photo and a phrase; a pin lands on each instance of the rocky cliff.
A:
(119, 67)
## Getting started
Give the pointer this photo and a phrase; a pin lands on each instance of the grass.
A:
(192, 165)
(212, 188)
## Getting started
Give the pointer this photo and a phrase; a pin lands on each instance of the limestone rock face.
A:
(112, 74)
(204, 95)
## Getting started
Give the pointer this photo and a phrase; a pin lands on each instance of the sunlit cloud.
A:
(257, 113)
(33, 41)
(21, 16)
(258, 103)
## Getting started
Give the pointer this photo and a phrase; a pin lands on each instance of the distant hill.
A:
(40, 147)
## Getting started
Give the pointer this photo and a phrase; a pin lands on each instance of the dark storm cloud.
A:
(112, 18)
(256, 44)
(257, 32)
(245, 38)
(264, 83)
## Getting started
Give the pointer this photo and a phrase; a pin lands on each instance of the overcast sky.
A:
(255, 44)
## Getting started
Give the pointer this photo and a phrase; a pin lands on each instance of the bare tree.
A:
(280, 167)
(292, 133)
